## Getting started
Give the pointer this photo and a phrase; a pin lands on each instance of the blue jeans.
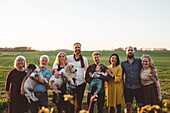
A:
(94, 82)
(42, 101)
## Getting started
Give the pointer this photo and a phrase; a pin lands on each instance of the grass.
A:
(160, 58)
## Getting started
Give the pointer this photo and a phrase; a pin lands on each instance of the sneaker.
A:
(88, 91)
(95, 94)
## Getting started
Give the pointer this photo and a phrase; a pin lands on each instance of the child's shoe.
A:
(95, 94)
(88, 91)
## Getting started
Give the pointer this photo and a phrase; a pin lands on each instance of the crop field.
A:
(160, 58)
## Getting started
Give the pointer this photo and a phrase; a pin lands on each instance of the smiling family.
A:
(134, 77)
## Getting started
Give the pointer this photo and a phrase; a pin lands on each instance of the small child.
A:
(96, 81)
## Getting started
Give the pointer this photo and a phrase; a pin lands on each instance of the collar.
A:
(44, 69)
(128, 61)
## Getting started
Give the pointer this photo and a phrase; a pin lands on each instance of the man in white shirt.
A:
(81, 64)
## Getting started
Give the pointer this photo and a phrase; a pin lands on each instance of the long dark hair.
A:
(118, 61)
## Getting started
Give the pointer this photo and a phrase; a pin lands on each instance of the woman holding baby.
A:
(16, 102)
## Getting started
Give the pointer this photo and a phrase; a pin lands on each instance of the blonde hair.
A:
(151, 64)
(20, 57)
(57, 58)
(96, 53)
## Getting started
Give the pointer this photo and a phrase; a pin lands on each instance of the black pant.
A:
(79, 92)
(100, 102)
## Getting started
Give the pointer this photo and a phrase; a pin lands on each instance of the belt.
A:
(38, 93)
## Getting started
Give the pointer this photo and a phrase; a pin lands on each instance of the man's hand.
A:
(96, 75)
(90, 74)
(23, 92)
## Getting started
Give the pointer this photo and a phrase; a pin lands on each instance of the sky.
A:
(96, 24)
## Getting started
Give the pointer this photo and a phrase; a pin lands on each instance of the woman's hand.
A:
(160, 98)
(154, 72)
(56, 74)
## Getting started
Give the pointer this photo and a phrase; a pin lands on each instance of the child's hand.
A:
(96, 75)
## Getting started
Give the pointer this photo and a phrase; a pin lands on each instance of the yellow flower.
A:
(46, 110)
(67, 97)
(156, 106)
(83, 111)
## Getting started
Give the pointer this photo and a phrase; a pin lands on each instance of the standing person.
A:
(58, 99)
(40, 89)
(101, 94)
(17, 102)
(150, 83)
(115, 88)
(132, 87)
(81, 64)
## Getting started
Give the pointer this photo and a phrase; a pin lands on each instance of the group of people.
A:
(134, 77)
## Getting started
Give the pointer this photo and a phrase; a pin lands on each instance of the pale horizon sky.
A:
(96, 24)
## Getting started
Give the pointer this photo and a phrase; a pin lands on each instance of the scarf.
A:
(80, 58)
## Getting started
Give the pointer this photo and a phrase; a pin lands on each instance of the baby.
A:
(96, 81)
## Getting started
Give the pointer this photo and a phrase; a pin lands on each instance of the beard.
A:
(130, 56)
(43, 65)
(77, 52)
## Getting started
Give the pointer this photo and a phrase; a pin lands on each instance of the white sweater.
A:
(80, 74)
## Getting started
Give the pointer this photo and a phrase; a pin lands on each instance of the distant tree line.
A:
(142, 49)
(16, 49)
(22, 49)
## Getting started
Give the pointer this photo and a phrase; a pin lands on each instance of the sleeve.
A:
(106, 78)
(8, 81)
(49, 73)
(123, 77)
(55, 66)
(88, 79)
(118, 77)
(86, 63)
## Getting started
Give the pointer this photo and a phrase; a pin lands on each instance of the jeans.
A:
(42, 101)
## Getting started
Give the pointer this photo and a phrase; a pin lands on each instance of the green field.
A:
(160, 58)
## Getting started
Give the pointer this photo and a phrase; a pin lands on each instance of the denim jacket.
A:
(132, 73)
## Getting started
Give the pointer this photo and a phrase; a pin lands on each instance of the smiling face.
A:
(77, 48)
(96, 59)
(130, 52)
(43, 62)
(62, 57)
(113, 60)
(20, 63)
(145, 63)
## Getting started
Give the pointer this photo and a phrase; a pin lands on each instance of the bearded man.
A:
(81, 64)
(132, 86)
